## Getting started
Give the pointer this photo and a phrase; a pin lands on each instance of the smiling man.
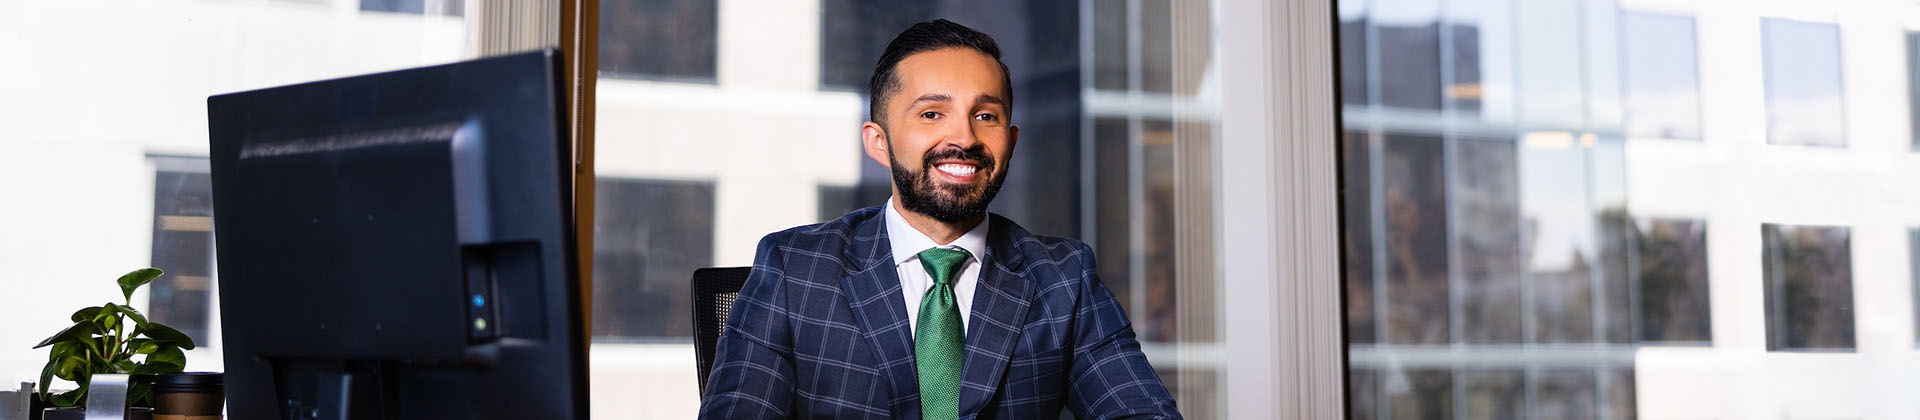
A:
(928, 306)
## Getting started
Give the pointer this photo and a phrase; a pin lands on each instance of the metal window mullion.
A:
(1089, 213)
(1450, 164)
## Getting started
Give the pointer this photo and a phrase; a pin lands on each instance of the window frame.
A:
(1277, 216)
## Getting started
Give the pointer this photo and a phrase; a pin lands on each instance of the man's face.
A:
(946, 138)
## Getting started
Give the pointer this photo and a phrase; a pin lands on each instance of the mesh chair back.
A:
(713, 292)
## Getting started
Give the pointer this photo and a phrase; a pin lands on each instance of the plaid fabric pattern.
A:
(820, 331)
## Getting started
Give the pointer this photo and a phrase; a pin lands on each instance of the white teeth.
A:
(957, 169)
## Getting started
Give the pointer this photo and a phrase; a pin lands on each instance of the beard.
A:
(950, 203)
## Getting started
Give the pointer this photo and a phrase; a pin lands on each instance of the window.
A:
(1662, 76)
(432, 7)
(1913, 87)
(854, 32)
(649, 236)
(1412, 38)
(182, 297)
(1809, 287)
(1804, 84)
(672, 40)
(1671, 278)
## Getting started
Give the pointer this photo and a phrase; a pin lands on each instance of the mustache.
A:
(976, 155)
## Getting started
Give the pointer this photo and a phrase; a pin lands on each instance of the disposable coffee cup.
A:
(189, 396)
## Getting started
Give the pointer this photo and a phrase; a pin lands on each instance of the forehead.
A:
(961, 72)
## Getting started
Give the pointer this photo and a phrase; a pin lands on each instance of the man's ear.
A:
(1013, 139)
(874, 140)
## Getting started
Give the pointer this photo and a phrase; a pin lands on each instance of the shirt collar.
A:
(908, 242)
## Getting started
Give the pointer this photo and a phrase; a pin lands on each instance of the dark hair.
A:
(922, 37)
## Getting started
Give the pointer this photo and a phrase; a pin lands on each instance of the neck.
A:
(940, 232)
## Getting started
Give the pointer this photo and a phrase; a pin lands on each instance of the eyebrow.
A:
(937, 97)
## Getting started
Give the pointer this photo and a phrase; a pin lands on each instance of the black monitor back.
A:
(399, 246)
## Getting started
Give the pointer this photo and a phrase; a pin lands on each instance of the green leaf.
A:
(72, 368)
(46, 379)
(69, 398)
(78, 331)
(143, 345)
(138, 392)
(163, 333)
(169, 355)
(135, 279)
(85, 313)
(138, 318)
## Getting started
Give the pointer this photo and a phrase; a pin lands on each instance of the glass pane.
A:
(649, 236)
(1809, 287)
(1662, 76)
(1803, 84)
(1551, 210)
(1409, 40)
(105, 141)
(1490, 252)
(1673, 303)
(659, 39)
(1416, 240)
(1913, 88)
(183, 243)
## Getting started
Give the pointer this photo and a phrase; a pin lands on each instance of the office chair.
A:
(714, 289)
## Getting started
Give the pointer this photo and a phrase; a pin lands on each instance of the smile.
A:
(958, 170)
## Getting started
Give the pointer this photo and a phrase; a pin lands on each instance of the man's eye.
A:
(929, 115)
(987, 117)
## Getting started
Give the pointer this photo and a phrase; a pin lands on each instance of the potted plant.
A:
(108, 339)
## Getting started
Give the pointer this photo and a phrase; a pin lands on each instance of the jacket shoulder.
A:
(843, 241)
(1049, 260)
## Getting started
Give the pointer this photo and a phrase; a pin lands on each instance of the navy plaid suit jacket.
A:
(820, 331)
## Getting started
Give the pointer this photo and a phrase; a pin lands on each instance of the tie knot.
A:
(943, 263)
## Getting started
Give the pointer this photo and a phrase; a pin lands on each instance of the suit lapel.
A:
(1000, 304)
(874, 296)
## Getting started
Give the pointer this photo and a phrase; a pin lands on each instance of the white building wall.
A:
(1736, 182)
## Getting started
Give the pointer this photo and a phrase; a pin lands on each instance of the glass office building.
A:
(1632, 209)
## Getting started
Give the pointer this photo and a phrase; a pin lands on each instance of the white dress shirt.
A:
(915, 282)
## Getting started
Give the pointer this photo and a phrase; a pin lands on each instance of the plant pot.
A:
(78, 413)
(189, 396)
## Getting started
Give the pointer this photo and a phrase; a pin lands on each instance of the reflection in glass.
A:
(1353, 61)
(1488, 195)
(1803, 83)
(1363, 392)
(1416, 240)
(1662, 76)
(649, 236)
(1913, 88)
(1357, 209)
(182, 296)
(1672, 280)
(1561, 229)
(1809, 287)
(673, 40)
(1418, 394)
(1567, 394)
(1160, 320)
(1494, 394)
(1409, 51)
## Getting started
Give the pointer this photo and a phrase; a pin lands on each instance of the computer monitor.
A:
(399, 246)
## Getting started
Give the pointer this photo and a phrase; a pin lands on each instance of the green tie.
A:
(939, 339)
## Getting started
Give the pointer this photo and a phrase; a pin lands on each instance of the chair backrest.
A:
(713, 292)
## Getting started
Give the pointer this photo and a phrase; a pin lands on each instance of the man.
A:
(928, 306)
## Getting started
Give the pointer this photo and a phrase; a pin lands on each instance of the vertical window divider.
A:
(1279, 210)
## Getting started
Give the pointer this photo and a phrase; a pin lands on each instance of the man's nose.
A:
(964, 136)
